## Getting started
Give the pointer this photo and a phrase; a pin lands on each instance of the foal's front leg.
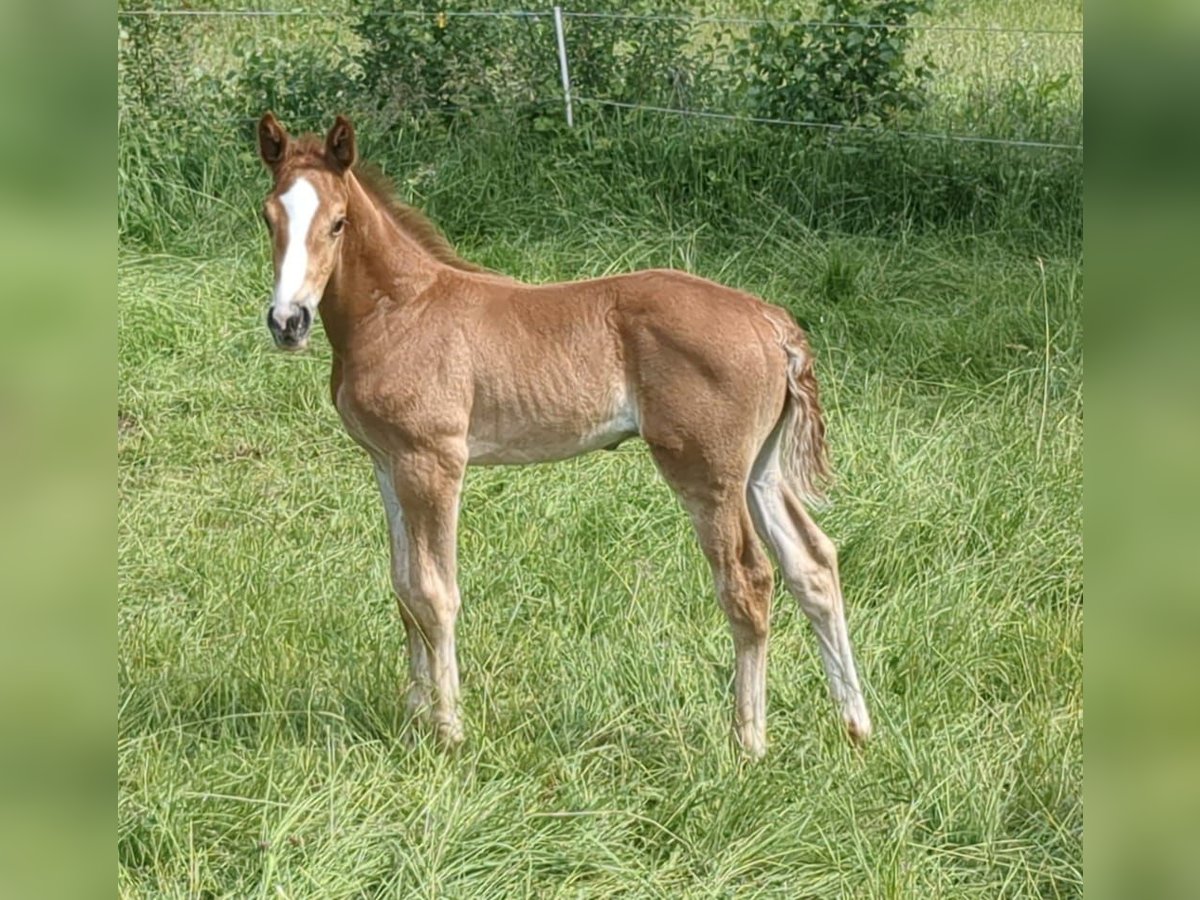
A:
(427, 487)
(417, 696)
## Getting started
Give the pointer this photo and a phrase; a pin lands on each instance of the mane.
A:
(409, 219)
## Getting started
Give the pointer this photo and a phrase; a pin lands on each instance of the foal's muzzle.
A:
(293, 333)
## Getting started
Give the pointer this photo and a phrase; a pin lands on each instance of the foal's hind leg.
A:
(808, 561)
(742, 574)
(744, 585)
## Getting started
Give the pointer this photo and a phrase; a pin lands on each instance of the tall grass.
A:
(262, 745)
(485, 177)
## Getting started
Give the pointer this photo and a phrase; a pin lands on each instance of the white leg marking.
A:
(750, 681)
(749, 651)
(806, 559)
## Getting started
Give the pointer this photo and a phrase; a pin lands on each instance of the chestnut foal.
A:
(439, 364)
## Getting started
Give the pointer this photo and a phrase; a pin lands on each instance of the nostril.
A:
(289, 328)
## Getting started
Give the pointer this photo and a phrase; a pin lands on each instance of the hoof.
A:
(449, 734)
(753, 746)
(417, 703)
(858, 731)
(857, 720)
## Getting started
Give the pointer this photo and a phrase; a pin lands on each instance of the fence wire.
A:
(809, 23)
(324, 14)
(634, 17)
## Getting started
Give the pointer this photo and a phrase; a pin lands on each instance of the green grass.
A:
(262, 745)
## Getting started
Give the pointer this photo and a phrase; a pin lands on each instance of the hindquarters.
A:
(705, 409)
(730, 409)
(715, 372)
(708, 370)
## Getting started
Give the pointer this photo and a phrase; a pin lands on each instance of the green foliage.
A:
(146, 66)
(839, 280)
(650, 60)
(190, 88)
(837, 71)
(439, 66)
(293, 79)
(444, 66)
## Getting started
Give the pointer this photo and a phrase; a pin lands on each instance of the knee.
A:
(433, 603)
(753, 569)
(812, 576)
(760, 581)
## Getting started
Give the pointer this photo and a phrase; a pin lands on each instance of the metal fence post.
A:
(562, 64)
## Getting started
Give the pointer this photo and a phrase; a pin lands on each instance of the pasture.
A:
(262, 743)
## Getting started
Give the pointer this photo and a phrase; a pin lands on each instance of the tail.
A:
(803, 454)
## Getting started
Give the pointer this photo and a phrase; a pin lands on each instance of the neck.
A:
(379, 267)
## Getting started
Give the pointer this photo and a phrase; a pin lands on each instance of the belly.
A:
(532, 433)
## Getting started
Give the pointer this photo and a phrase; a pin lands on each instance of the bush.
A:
(301, 83)
(433, 65)
(836, 71)
(650, 60)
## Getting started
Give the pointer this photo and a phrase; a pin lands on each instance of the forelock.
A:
(307, 152)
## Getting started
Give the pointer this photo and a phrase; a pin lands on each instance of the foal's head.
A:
(306, 215)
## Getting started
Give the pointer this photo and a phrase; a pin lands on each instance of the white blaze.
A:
(299, 206)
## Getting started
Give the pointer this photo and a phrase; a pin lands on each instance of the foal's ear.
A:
(340, 146)
(272, 140)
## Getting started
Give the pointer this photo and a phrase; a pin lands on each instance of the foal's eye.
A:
(339, 226)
